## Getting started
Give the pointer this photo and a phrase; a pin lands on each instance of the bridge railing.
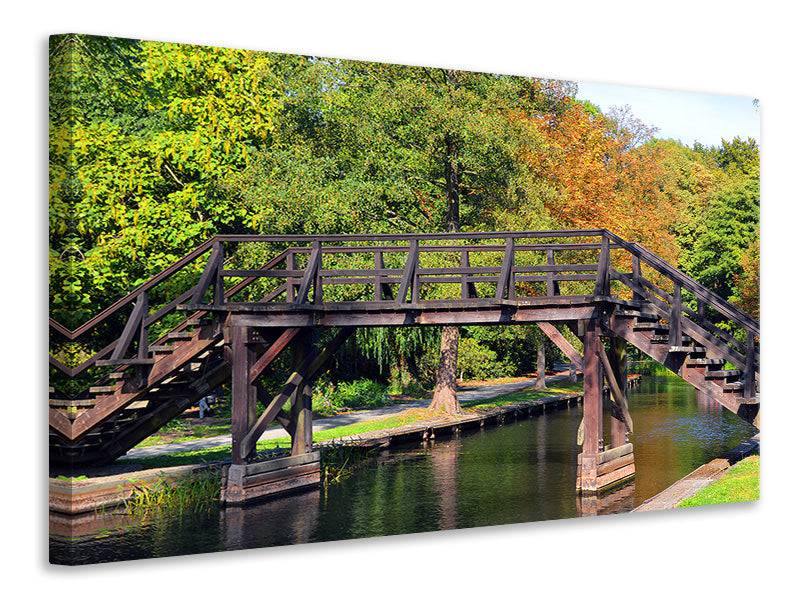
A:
(409, 270)
(120, 335)
(691, 308)
(413, 269)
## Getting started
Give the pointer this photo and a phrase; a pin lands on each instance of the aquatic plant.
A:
(198, 491)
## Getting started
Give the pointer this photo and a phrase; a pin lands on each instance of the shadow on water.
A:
(522, 471)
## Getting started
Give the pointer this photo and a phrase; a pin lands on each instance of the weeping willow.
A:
(397, 349)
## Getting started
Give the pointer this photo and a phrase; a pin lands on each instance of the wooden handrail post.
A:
(636, 273)
(290, 281)
(409, 270)
(552, 285)
(675, 326)
(142, 352)
(750, 366)
(603, 264)
(131, 327)
(464, 283)
(378, 295)
(505, 283)
(311, 275)
(219, 284)
(317, 293)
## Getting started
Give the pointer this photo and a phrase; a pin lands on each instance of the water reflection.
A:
(521, 471)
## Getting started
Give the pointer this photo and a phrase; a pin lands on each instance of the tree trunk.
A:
(444, 395)
(541, 384)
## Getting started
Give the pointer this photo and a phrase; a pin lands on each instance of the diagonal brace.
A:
(617, 392)
(306, 372)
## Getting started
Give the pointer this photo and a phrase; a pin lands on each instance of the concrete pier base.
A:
(248, 482)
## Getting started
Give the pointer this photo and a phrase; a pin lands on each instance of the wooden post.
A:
(601, 285)
(143, 328)
(636, 273)
(592, 407)
(552, 285)
(409, 270)
(219, 282)
(302, 439)
(750, 366)
(619, 365)
(675, 326)
(505, 283)
(316, 295)
(290, 281)
(467, 289)
(243, 401)
(378, 294)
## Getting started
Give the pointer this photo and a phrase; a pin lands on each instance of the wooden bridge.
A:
(155, 352)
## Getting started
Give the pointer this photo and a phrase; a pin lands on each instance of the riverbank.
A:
(715, 482)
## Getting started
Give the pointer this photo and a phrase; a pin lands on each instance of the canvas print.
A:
(300, 298)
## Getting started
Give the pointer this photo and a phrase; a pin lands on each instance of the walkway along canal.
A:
(519, 472)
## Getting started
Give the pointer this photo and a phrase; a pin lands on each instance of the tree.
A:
(392, 148)
(147, 162)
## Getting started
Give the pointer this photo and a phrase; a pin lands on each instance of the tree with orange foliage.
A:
(606, 174)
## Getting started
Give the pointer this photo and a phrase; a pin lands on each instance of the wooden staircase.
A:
(132, 402)
(701, 366)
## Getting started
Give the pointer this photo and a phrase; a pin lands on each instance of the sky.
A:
(686, 116)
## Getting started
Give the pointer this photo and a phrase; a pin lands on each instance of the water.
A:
(523, 471)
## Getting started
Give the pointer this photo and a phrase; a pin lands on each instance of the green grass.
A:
(220, 453)
(739, 484)
(525, 395)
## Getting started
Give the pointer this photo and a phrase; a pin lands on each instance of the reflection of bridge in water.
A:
(307, 294)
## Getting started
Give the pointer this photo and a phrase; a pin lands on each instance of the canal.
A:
(522, 471)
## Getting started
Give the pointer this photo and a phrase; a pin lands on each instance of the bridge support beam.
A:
(243, 391)
(592, 408)
(248, 479)
(300, 424)
(601, 467)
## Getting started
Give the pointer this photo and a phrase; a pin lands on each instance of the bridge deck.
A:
(475, 311)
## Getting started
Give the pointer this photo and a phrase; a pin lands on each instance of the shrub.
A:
(478, 362)
(361, 393)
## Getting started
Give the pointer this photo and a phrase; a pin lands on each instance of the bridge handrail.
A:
(722, 306)
(214, 244)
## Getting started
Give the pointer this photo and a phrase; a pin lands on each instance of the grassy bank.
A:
(739, 484)
(404, 418)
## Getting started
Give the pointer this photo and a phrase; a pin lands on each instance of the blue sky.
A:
(686, 116)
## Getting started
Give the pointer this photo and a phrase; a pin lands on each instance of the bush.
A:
(361, 393)
(478, 362)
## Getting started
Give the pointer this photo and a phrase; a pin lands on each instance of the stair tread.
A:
(102, 389)
(124, 361)
(723, 373)
(687, 349)
(180, 335)
(705, 361)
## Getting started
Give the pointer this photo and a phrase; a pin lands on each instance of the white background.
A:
(723, 47)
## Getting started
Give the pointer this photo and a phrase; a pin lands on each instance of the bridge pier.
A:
(247, 479)
(599, 466)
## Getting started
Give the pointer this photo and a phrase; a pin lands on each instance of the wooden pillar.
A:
(243, 393)
(619, 364)
(592, 407)
(302, 434)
